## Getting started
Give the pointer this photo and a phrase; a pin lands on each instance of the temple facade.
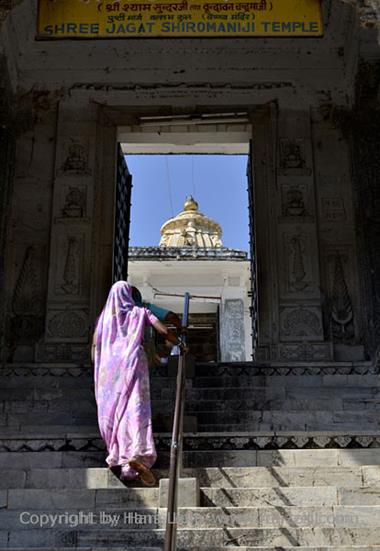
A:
(191, 258)
(307, 105)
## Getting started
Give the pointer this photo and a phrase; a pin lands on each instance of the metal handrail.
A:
(177, 434)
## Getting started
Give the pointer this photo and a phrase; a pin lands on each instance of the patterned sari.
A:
(122, 381)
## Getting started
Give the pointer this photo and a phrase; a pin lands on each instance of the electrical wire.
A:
(169, 185)
(192, 176)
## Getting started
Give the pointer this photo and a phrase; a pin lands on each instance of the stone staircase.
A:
(286, 456)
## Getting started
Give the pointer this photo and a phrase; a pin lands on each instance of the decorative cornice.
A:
(205, 442)
(212, 370)
(185, 253)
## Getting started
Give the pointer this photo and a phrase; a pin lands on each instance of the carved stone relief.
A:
(293, 157)
(69, 265)
(62, 352)
(76, 158)
(298, 273)
(299, 265)
(298, 352)
(74, 202)
(232, 339)
(293, 201)
(341, 309)
(26, 322)
(333, 209)
(67, 325)
(300, 323)
(71, 271)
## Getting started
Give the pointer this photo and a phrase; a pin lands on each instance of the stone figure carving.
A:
(71, 272)
(77, 159)
(294, 203)
(342, 314)
(291, 154)
(74, 203)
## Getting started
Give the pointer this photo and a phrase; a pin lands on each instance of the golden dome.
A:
(191, 228)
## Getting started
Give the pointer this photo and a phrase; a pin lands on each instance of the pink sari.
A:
(122, 381)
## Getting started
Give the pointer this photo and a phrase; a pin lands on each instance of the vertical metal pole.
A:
(176, 445)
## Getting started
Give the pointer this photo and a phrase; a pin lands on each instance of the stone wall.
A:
(364, 126)
(28, 232)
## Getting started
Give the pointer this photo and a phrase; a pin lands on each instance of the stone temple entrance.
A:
(286, 449)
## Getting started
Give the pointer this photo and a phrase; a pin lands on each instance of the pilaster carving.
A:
(67, 319)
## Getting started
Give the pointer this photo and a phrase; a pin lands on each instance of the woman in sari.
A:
(122, 383)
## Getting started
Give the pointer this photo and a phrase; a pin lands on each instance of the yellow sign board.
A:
(178, 18)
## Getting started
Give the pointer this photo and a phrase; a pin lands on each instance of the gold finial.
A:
(190, 204)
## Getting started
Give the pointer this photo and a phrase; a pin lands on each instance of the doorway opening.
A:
(167, 241)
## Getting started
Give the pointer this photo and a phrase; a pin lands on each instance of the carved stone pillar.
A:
(340, 285)
(67, 328)
(290, 313)
(300, 315)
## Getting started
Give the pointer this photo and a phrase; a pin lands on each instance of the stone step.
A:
(217, 457)
(46, 431)
(68, 406)
(100, 499)
(202, 539)
(286, 381)
(208, 421)
(224, 477)
(224, 548)
(166, 393)
(275, 392)
(55, 385)
(201, 517)
(100, 549)
(298, 496)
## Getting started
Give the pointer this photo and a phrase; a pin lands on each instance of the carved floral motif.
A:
(67, 325)
(300, 322)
